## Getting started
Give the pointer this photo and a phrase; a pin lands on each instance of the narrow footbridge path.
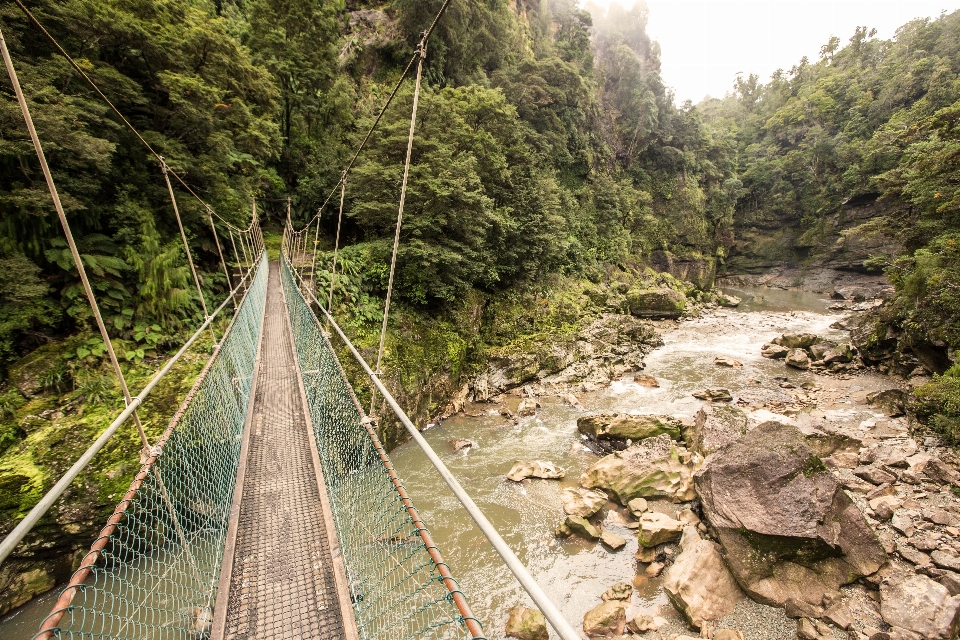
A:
(282, 565)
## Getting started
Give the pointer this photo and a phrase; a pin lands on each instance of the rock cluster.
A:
(810, 351)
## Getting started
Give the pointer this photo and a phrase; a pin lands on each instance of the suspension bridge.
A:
(268, 508)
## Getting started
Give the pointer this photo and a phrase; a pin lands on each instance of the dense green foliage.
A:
(547, 143)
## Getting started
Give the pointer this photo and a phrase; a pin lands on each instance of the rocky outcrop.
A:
(786, 525)
(917, 607)
(698, 583)
(525, 623)
(620, 427)
(714, 426)
(654, 468)
(535, 469)
(656, 303)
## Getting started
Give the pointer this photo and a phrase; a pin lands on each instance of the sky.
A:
(705, 43)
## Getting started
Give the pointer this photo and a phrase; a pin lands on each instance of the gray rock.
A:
(727, 362)
(945, 561)
(656, 303)
(535, 469)
(919, 605)
(902, 522)
(526, 624)
(727, 300)
(774, 351)
(713, 395)
(874, 474)
(645, 380)
(890, 401)
(581, 527)
(951, 581)
(798, 340)
(657, 528)
(714, 427)
(798, 359)
(840, 353)
(582, 502)
(892, 453)
(458, 444)
(611, 540)
(606, 620)
(620, 591)
(788, 528)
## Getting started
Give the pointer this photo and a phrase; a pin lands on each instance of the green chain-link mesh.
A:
(157, 575)
(395, 586)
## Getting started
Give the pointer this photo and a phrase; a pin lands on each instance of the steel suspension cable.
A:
(422, 52)
(223, 262)
(186, 246)
(336, 242)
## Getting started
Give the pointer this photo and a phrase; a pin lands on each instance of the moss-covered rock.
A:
(624, 426)
(656, 303)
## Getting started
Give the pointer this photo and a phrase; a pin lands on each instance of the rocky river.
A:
(857, 539)
(891, 535)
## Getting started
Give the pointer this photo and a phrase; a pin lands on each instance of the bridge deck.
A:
(284, 578)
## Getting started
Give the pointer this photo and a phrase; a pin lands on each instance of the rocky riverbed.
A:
(784, 501)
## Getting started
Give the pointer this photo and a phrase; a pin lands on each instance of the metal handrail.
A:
(550, 611)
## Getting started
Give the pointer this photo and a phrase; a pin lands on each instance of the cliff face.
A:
(843, 241)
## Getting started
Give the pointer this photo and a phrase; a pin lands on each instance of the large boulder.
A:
(582, 502)
(581, 527)
(918, 605)
(698, 583)
(654, 468)
(892, 453)
(624, 426)
(714, 426)
(786, 525)
(656, 303)
(774, 351)
(525, 623)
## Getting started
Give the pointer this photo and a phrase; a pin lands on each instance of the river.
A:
(575, 572)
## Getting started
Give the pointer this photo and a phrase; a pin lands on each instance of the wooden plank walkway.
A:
(281, 560)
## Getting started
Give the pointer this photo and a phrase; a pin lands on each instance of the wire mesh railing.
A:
(400, 587)
(152, 573)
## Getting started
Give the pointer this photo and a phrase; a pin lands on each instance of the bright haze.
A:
(705, 43)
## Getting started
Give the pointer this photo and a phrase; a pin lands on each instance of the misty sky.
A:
(706, 42)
